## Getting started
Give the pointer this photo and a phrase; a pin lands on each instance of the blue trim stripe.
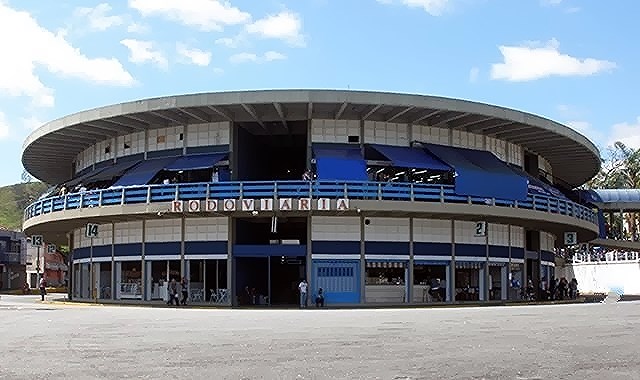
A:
(386, 248)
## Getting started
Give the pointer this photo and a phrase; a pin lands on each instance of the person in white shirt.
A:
(303, 287)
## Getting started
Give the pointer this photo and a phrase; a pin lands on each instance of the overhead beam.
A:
(149, 119)
(281, 114)
(341, 110)
(196, 114)
(426, 116)
(310, 111)
(108, 130)
(500, 128)
(398, 114)
(254, 115)
(371, 111)
(130, 123)
(448, 120)
(221, 113)
(472, 123)
(172, 118)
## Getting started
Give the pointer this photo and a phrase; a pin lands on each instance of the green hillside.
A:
(14, 199)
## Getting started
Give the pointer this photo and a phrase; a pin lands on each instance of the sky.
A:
(574, 61)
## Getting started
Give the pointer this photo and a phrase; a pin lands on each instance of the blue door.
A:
(339, 279)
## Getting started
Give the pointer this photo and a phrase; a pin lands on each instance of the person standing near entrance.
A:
(302, 288)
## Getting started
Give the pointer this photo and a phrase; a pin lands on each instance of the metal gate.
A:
(339, 280)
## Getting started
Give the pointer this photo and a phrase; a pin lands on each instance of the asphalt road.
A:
(43, 341)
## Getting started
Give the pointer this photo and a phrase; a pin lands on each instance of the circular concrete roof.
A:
(49, 151)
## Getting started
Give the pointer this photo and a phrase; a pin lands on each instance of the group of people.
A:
(303, 290)
(175, 289)
(560, 289)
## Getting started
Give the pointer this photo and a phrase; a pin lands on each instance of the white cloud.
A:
(551, 3)
(145, 51)
(218, 70)
(98, 17)
(473, 74)
(31, 123)
(230, 42)
(433, 7)
(207, 15)
(39, 47)
(627, 133)
(286, 26)
(536, 61)
(138, 28)
(252, 57)
(243, 57)
(194, 56)
(274, 56)
(4, 126)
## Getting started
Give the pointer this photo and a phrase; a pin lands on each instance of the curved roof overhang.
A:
(573, 157)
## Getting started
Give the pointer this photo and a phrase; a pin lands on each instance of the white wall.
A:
(546, 166)
(208, 134)
(380, 132)
(516, 154)
(604, 277)
(517, 237)
(465, 232)
(431, 230)
(334, 131)
(547, 241)
(207, 229)
(165, 138)
(498, 234)
(387, 229)
(128, 233)
(338, 228)
(431, 135)
(105, 235)
(163, 230)
(497, 147)
(158, 139)
(464, 139)
(130, 144)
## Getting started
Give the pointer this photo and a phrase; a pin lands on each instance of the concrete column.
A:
(184, 139)
(113, 263)
(309, 260)
(363, 263)
(143, 275)
(146, 143)
(451, 285)
(411, 264)
(309, 144)
(231, 289)
(486, 264)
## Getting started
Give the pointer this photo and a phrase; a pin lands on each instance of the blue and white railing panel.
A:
(297, 189)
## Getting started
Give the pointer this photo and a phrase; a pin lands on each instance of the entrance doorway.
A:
(266, 281)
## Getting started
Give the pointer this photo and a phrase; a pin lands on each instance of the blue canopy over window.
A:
(340, 162)
(196, 161)
(481, 173)
(413, 158)
(538, 186)
(113, 171)
(144, 172)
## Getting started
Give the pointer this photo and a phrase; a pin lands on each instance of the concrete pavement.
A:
(592, 341)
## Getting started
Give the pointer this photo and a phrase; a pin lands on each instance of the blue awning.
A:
(78, 180)
(481, 174)
(144, 172)
(196, 161)
(111, 172)
(340, 162)
(538, 186)
(411, 158)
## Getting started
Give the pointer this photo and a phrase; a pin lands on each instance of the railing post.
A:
(148, 194)
(176, 195)
(533, 202)
(311, 189)
(549, 205)
(100, 199)
(346, 191)
(208, 193)
(80, 202)
(379, 191)
(515, 203)
(275, 190)
(122, 196)
(66, 201)
(469, 201)
(441, 194)
(411, 189)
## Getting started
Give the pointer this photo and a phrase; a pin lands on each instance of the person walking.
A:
(43, 287)
(303, 287)
(184, 285)
(172, 293)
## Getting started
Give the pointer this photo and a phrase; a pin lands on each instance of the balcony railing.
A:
(387, 191)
